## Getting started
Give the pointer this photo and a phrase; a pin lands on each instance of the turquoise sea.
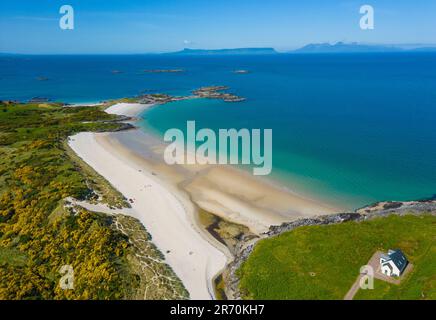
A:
(350, 128)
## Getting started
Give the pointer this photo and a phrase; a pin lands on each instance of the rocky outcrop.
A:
(216, 92)
(386, 207)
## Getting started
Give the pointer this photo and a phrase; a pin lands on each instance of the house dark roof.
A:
(385, 257)
(399, 259)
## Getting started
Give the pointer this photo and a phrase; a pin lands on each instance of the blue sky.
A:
(138, 26)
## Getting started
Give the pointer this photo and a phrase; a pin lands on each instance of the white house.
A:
(394, 263)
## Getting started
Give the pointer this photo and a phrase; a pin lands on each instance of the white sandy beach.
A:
(166, 198)
(166, 217)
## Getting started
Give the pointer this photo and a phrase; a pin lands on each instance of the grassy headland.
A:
(322, 262)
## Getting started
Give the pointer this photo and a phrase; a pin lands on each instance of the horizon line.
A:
(396, 45)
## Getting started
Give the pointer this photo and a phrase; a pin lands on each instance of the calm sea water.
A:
(350, 128)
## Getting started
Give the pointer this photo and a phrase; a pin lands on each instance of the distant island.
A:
(216, 92)
(41, 78)
(241, 71)
(237, 51)
(354, 47)
(164, 71)
(424, 49)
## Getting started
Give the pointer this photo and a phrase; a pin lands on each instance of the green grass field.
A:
(322, 262)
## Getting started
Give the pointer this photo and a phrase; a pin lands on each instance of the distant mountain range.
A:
(237, 51)
(424, 49)
(341, 47)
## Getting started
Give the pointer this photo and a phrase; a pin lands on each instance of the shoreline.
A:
(166, 198)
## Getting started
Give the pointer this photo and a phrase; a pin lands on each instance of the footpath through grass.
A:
(322, 262)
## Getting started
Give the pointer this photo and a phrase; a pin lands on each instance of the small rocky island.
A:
(216, 92)
(38, 100)
(241, 71)
(212, 92)
(246, 243)
(158, 98)
(164, 71)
